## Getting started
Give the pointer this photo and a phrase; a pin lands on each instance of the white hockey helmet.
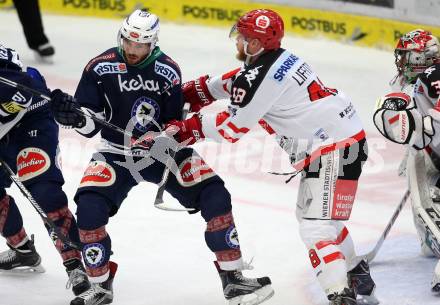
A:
(142, 27)
(415, 52)
(9, 58)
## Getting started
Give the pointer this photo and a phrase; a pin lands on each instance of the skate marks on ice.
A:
(401, 274)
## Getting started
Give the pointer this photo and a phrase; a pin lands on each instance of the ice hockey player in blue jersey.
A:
(138, 88)
(29, 144)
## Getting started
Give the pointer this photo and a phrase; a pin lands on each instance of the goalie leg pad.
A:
(427, 218)
(435, 283)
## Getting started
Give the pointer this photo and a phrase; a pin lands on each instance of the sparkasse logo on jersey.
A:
(167, 72)
(110, 67)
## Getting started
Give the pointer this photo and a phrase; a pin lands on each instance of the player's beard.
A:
(241, 56)
(132, 59)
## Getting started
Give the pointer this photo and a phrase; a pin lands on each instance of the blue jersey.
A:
(139, 98)
(20, 106)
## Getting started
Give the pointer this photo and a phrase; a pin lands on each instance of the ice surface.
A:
(162, 255)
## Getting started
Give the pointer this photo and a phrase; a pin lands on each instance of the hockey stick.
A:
(77, 110)
(158, 201)
(43, 215)
(372, 254)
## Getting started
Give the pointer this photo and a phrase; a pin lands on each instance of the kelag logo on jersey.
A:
(144, 112)
(138, 84)
(167, 72)
(110, 67)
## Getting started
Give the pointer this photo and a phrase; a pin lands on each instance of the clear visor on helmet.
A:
(399, 59)
(233, 33)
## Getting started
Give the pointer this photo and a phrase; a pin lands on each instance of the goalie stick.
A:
(37, 207)
(158, 201)
(372, 254)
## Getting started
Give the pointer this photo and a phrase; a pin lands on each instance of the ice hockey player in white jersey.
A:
(411, 117)
(317, 126)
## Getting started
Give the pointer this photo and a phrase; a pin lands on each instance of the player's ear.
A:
(255, 44)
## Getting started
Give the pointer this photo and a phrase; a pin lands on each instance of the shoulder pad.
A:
(168, 69)
(110, 54)
(431, 79)
(36, 75)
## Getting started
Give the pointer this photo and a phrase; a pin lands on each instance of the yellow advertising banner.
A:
(354, 29)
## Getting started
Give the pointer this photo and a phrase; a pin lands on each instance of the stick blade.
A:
(161, 205)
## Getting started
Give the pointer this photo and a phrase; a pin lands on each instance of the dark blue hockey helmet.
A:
(9, 59)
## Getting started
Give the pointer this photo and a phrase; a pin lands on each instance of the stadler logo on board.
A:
(144, 112)
(262, 22)
(32, 162)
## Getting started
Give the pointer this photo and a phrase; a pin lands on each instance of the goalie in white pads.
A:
(412, 117)
(281, 92)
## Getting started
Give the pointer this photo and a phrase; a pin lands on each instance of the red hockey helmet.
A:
(264, 25)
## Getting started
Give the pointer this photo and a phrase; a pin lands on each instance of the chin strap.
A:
(248, 55)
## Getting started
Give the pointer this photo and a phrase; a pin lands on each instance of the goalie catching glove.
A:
(400, 124)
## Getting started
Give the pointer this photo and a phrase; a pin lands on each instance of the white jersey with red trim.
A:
(282, 93)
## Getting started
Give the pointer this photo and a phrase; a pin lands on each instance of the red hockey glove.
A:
(196, 93)
(188, 131)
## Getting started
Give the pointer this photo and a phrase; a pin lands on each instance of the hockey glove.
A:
(64, 107)
(196, 93)
(188, 131)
